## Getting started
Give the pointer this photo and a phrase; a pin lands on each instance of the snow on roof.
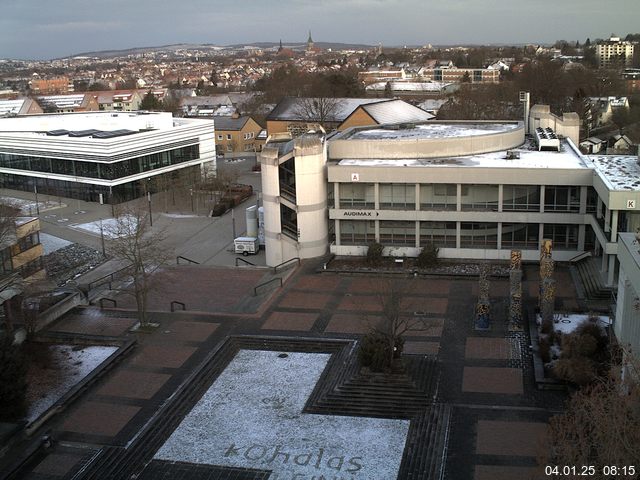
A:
(530, 157)
(409, 86)
(292, 108)
(395, 111)
(8, 107)
(431, 131)
(619, 172)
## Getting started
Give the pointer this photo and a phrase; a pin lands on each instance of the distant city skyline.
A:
(32, 29)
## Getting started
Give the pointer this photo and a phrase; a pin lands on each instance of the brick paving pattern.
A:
(480, 373)
(521, 439)
(492, 380)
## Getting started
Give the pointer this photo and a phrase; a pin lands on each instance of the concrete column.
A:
(581, 237)
(607, 220)
(500, 201)
(540, 234)
(599, 208)
(542, 190)
(336, 230)
(459, 197)
(614, 226)
(417, 196)
(376, 197)
(417, 233)
(458, 230)
(500, 232)
(603, 265)
(377, 230)
(612, 270)
(583, 200)
(336, 195)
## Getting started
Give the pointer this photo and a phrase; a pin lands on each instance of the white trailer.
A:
(246, 245)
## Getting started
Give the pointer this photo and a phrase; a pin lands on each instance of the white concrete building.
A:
(104, 156)
(614, 52)
(474, 189)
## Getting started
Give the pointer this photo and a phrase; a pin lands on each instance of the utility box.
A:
(246, 245)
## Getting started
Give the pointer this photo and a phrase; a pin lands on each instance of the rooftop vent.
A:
(547, 139)
(513, 155)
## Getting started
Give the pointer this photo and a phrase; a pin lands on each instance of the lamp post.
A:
(35, 189)
(104, 253)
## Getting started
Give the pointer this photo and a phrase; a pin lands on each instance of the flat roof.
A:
(619, 172)
(530, 157)
(431, 131)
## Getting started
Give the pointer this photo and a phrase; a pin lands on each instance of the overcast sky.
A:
(41, 29)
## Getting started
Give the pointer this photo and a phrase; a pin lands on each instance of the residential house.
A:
(80, 102)
(389, 111)
(602, 108)
(20, 106)
(119, 100)
(237, 135)
(51, 86)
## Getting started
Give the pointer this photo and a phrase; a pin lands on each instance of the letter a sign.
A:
(355, 177)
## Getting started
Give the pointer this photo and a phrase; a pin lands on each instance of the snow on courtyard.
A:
(64, 367)
(567, 323)
(108, 226)
(28, 207)
(51, 244)
(251, 417)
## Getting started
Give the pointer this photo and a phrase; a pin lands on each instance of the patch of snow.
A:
(109, 227)
(51, 243)
(28, 207)
(567, 323)
(67, 365)
(179, 215)
(252, 417)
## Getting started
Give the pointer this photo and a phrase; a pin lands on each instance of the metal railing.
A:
(286, 262)
(114, 304)
(107, 279)
(238, 259)
(255, 289)
(187, 259)
(579, 257)
(174, 303)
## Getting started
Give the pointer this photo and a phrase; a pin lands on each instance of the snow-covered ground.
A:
(567, 323)
(28, 207)
(65, 366)
(109, 227)
(252, 417)
(51, 243)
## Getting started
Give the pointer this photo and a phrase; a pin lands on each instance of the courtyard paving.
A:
(498, 414)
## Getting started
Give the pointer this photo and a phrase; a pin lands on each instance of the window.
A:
(399, 233)
(520, 235)
(357, 195)
(480, 197)
(440, 234)
(564, 237)
(228, 136)
(438, 196)
(220, 137)
(398, 196)
(521, 198)
(357, 232)
(229, 148)
(561, 199)
(478, 235)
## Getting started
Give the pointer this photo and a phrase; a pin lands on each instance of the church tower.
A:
(310, 49)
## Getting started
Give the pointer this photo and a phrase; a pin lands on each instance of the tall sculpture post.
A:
(515, 291)
(546, 301)
(483, 305)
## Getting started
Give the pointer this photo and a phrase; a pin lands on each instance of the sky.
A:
(44, 29)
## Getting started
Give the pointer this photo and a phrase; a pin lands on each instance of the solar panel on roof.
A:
(114, 133)
(83, 133)
(57, 133)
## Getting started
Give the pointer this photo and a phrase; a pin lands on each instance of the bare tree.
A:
(318, 110)
(135, 243)
(9, 280)
(398, 317)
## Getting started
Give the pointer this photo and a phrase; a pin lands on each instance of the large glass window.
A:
(592, 200)
(521, 198)
(564, 237)
(357, 195)
(478, 235)
(398, 233)
(440, 234)
(438, 196)
(357, 232)
(480, 197)
(398, 196)
(520, 235)
(561, 199)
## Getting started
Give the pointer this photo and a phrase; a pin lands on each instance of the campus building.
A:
(614, 53)
(474, 189)
(102, 156)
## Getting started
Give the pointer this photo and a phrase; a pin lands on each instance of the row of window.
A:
(472, 234)
(105, 171)
(402, 196)
(246, 136)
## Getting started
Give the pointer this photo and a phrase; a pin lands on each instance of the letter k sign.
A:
(252, 417)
